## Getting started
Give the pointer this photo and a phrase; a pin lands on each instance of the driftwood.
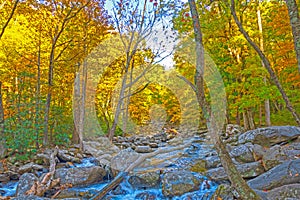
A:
(120, 177)
(40, 187)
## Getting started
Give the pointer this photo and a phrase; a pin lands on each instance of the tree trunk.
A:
(234, 176)
(2, 137)
(9, 18)
(250, 119)
(261, 42)
(266, 64)
(246, 121)
(295, 24)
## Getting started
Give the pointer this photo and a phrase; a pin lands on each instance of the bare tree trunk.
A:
(261, 42)
(250, 119)
(2, 140)
(246, 121)
(9, 18)
(234, 176)
(295, 24)
(37, 103)
(75, 136)
(266, 64)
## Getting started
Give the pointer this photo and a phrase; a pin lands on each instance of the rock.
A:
(270, 136)
(212, 162)
(143, 149)
(153, 145)
(25, 183)
(73, 193)
(199, 166)
(179, 182)
(29, 168)
(29, 197)
(224, 192)
(145, 180)
(285, 192)
(247, 170)
(258, 152)
(63, 156)
(80, 176)
(273, 157)
(4, 178)
(122, 160)
(283, 174)
(243, 153)
(146, 196)
(1, 167)
(233, 129)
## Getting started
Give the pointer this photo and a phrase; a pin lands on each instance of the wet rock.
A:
(146, 196)
(145, 180)
(143, 149)
(283, 174)
(198, 166)
(285, 192)
(80, 176)
(212, 162)
(29, 197)
(122, 160)
(4, 178)
(74, 194)
(224, 192)
(30, 167)
(153, 145)
(25, 183)
(243, 153)
(270, 136)
(247, 170)
(63, 156)
(179, 182)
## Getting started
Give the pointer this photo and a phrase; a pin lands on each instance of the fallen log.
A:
(40, 187)
(120, 177)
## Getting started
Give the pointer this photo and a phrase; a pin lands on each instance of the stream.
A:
(126, 191)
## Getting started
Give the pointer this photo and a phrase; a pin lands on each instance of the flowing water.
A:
(126, 191)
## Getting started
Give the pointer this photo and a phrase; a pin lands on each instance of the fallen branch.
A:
(120, 177)
(39, 188)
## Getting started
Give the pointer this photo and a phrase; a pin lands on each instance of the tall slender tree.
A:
(266, 62)
(234, 176)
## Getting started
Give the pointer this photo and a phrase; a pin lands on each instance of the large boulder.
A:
(273, 157)
(270, 136)
(285, 192)
(145, 179)
(243, 153)
(123, 160)
(247, 170)
(283, 174)
(224, 192)
(80, 176)
(25, 183)
(177, 183)
(30, 167)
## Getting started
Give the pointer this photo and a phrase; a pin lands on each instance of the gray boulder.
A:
(179, 182)
(123, 160)
(247, 170)
(243, 153)
(270, 136)
(80, 176)
(283, 174)
(145, 180)
(285, 192)
(25, 183)
(30, 167)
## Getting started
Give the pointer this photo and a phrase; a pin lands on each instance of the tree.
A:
(295, 24)
(266, 64)
(234, 176)
(134, 21)
(2, 140)
(9, 17)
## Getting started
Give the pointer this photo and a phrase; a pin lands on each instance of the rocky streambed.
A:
(185, 168)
